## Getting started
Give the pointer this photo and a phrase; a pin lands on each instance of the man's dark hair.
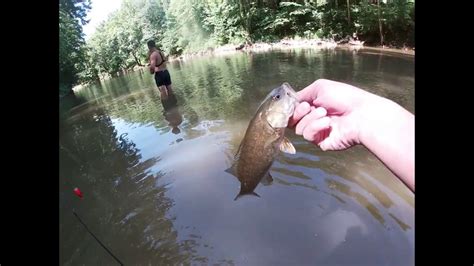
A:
(151, 43)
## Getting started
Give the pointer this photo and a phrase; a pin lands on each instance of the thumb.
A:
(301, 110)
(328, 144)
(316, 129)
(335, 141)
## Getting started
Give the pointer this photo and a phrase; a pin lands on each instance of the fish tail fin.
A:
(248, 193)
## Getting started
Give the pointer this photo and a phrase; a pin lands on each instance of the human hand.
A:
(336, 116)
(330, 114)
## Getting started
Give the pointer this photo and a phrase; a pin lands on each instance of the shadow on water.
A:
(68, 102)
(108, 167)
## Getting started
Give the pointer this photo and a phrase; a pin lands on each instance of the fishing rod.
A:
(79, 194)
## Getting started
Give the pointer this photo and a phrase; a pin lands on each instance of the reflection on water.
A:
(172, 113)
(108, 167)
(154, 180)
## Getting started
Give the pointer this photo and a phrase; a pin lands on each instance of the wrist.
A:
(387, 130)
(378, 116)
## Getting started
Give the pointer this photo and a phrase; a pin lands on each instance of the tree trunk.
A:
(137, 60)
(244, 14)
(380, 23)
(349, 12)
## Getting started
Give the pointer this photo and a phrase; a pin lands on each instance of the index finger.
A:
(301, 110)
(310, 93)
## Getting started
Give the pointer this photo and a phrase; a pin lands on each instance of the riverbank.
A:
(291, 44)
(284, 44)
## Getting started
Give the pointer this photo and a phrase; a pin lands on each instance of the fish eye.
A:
(276, 97)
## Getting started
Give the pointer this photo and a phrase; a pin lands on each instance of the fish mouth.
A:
(290, 91)
(293, 94)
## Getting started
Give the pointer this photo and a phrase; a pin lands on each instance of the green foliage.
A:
(334, 22)
(72, 15)
(295, 19)
(400, 22)
(224, 23)
(76, 9)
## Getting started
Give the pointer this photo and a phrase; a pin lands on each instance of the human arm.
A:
(336, 116)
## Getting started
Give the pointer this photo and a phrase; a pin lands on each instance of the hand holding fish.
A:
(336, 116)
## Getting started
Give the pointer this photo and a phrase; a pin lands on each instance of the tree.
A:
(72, 15)
(349, 13)
(380, 22)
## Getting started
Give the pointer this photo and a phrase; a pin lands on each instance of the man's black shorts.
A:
(162, 78)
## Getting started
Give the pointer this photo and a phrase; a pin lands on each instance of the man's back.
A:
(159, 60)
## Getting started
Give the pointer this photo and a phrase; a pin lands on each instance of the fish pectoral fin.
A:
(269, 177)
(269, 141)
(287, 147)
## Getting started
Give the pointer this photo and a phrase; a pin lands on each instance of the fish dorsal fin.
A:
(235, 159)
(287, 147)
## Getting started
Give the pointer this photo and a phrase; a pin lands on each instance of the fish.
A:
(264, 139)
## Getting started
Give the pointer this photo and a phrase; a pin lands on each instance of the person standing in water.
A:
(162, 76)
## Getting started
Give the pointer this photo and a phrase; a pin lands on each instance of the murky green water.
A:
(155, 190)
